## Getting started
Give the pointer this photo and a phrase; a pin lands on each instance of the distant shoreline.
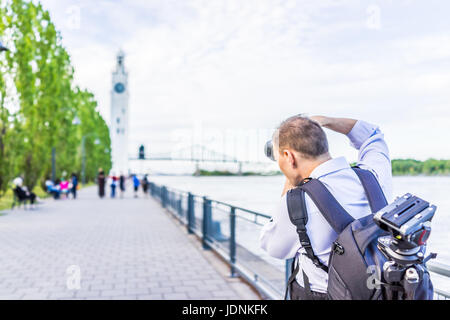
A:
(218, 173)
(225, 173)
(400, 168)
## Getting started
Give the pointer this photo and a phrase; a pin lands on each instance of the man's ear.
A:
(290, 157)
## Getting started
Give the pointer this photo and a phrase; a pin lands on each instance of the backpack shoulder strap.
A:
(330, 209)
(299, 217)
(336, 216)
(374, 193)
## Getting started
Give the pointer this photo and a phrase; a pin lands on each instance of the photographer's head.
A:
(299, 146)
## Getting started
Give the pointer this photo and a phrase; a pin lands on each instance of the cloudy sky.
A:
(245, 65)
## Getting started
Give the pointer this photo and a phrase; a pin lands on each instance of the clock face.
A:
(119, 87)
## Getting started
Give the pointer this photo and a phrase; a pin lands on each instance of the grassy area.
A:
(7, 200)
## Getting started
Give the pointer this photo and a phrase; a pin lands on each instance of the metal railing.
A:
(205, 218)
(215, 223)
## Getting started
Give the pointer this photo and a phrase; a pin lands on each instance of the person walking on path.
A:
(122, 185)
(74, 185)
(145, 184)
(114, 180)
(136, 185)
(101, 183)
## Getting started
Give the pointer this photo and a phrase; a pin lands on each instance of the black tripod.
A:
(405, 270)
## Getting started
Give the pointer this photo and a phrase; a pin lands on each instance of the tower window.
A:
(118, 120)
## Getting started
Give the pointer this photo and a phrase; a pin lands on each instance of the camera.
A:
(268, 150)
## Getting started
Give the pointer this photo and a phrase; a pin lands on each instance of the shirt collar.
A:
(329, 166)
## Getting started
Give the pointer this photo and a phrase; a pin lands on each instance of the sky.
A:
(228, 72)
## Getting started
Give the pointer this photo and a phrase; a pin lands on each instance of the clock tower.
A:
(119, 117)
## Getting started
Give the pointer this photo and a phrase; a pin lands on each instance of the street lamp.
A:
(76, 122)
(83, 155)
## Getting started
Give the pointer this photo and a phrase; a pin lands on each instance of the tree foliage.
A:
(39, 102)
(415, 167)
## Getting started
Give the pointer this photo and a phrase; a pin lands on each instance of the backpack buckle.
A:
(338, 249)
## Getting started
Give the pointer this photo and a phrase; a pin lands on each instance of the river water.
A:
(261, 194)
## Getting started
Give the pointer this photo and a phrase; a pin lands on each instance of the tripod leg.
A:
(410, 283)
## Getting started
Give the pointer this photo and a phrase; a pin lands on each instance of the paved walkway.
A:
(122, 249)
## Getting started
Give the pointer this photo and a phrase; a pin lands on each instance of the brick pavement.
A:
(123, 249)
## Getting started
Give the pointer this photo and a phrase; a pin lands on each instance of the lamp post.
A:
(76, 121)
(83, 155)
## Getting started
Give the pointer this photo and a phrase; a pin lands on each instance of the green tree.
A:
(39, 102)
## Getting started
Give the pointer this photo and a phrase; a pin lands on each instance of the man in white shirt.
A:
(300, 147)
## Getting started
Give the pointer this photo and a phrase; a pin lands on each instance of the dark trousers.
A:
(299, 293)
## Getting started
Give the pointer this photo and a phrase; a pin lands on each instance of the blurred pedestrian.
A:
(145, 184)
(122, 185)
(136, 185)
(74, 185)
(114, 181)
(53, 189)
(64, 187)
(101, 183)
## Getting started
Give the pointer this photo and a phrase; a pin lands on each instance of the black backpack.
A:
(356, 263)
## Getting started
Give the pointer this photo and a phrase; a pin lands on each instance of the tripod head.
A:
(408, 220)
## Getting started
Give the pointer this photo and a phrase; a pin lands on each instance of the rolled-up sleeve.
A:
(373, 153)
(279, 237)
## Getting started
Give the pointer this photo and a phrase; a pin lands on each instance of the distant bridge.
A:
(199, 154)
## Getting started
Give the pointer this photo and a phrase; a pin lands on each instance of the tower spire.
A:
(121, 60)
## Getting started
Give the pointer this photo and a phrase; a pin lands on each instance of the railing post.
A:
(233, 240)
(151, 189)
(190, 213)
(288, 272)
(180, 209)
(164, 196)
(206, 222)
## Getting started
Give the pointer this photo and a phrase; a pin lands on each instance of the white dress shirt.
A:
(279, 237)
